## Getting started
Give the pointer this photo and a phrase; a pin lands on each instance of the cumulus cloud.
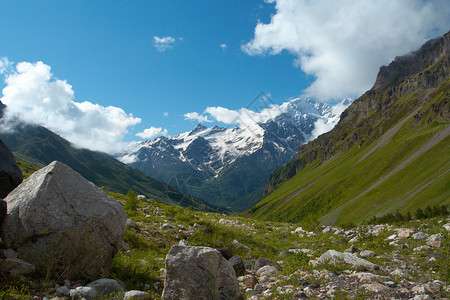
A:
(152, 132)
(195, 116)
(243, 117)
(342, 44)
(165, 114)
(163, 43)
(223, 46)
(33, 95)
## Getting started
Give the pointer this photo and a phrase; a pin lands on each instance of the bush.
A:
(131, 202)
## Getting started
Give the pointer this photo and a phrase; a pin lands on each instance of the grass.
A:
(140, 266)
(344, 179)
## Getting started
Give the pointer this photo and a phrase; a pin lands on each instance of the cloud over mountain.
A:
(343, 43)
(33, 95)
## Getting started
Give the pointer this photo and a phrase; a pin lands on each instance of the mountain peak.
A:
(412, 63)
(197, 129)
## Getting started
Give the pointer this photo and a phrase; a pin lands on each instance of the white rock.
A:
(366, 253)
(392, 237)
(420, 236)
(266, 271)
(404, 233)
(335, 257)
(136, 295)
(434, 241)
(83, 292)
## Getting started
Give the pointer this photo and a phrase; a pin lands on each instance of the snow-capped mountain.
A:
(229, 166)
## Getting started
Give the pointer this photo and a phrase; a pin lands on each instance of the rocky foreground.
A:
(366, 262)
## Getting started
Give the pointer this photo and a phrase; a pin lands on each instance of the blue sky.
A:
(211, 54)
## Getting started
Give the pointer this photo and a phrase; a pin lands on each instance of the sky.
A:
(106, 73)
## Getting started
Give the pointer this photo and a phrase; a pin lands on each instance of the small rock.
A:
(183, 243)
(400, 273)
(352, 249)
(434, 241)
(10, 253)
(267, 270)
(83, 292)
(328, 229)
(376, 288)
(132, 224)
(261, 262)
(390, 284)
(366, 253)
(167, 226)
(16, 263)
(392, 237)
(447, 226)
(237, 245)
(405, 233)
(238, 265)
(136, 295)
(105, 286)
(63, 291)
(420, 235)
(422, 248)
(300, 230)
(353, 240)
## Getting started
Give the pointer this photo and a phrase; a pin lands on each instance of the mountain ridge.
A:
(319, 180)
(229, 166)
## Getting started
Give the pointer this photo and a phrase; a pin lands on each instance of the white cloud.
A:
(194, 116)
(344, 43)
(152, 132)
(163, 43)
(5, 65)
(245, 117)
(165, 114)
(33, 95)
(223, 46)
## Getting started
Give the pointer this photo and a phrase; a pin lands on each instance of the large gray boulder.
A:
(199, 273)
(10, 173)
(63, 224)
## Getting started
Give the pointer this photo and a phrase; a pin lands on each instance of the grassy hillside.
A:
(388, 152)
(37, 146)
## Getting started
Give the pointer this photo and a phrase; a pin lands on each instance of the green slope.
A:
(38, 146)
(389, 151)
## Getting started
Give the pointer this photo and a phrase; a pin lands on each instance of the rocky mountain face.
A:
(10, 174)
(400, 123)
(229, 166)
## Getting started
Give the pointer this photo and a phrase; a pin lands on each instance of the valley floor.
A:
(403, 261)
